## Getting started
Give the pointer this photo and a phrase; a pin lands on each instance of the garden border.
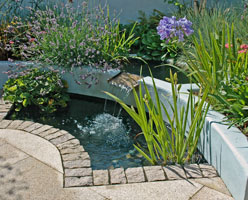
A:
(76, 161)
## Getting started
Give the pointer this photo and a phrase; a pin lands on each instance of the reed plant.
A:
(186, 122)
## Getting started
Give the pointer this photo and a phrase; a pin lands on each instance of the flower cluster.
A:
(170, 28)
(242, 49)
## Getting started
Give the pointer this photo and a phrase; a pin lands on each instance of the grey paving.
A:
(32, 177)
(34, 146)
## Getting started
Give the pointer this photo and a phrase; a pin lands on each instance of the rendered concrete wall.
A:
(128, 9)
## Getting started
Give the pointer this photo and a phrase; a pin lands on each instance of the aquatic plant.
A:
(186, 123)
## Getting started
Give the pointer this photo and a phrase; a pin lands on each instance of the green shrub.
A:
(69, 37)
(179, 145)
(233, 101)
(149, 46)
(43, 89)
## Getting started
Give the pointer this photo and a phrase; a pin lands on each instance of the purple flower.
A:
(170, 28)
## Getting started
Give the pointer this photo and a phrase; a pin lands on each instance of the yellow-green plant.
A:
(179, 144)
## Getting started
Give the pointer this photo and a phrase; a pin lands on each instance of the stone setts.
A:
(77, 165)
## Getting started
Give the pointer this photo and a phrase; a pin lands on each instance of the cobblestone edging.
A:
(77, 165)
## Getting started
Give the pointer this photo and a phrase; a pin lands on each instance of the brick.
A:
(41, 129)
(208, 171)
(14, 124)
(77, 164)
(154, 173)
(78, 172)
(5, 123)
(48, 132)
(25, 125)
(33, 127)
(174, 172)
(135, 175)
(117, 176)
(78, 181)
(192, 171)
(62, 139)
(100, 177)
(75, 156)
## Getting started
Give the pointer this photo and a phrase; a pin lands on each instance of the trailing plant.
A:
(179, 144)
(37, 87)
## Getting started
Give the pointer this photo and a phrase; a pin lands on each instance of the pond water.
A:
(106, 131)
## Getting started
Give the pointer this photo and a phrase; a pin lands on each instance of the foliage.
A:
(179, 145)
(37, 87)
(234, 101)
(149, 46)
(69, 37)
(216, 64)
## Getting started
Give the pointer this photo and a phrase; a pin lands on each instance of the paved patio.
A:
(33, 170)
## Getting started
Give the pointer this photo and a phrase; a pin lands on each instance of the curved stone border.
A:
(76, 161)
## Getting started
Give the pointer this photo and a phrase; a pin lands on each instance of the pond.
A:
(106, 131)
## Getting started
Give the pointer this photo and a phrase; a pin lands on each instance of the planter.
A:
(225, 149)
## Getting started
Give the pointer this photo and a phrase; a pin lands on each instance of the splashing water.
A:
(108, 128)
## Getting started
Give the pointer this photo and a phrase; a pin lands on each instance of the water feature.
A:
(103, 128)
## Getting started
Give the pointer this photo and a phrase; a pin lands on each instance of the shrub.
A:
(69, 37)
(34, 86)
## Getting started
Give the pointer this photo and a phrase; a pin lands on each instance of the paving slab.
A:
(214, 183)
(35, 146)
(166, 190)
(208, 170)
(2, 141)
(45, 183)
(209, 194)
(11, 155)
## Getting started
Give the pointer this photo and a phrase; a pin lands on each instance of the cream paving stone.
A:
(154, 173)
(208, 170)
(2, 141)
(24, 125)
(174, 172)
(14, 124)
(45, 183)
(135, 175)
(192, 171)
(209, 194)
(166, 190)
(10, 154)
(100, 177)
(214, 183)
(35, 146)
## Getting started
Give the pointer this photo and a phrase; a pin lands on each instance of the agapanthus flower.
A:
(170, 28)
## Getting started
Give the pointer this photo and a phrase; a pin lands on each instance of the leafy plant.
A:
(217, 64)
(179, 144)
(149, 46)
(66, 37)
(233, 101)
(43, 89)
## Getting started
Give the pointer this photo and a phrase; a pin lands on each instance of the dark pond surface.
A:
(105, 130)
